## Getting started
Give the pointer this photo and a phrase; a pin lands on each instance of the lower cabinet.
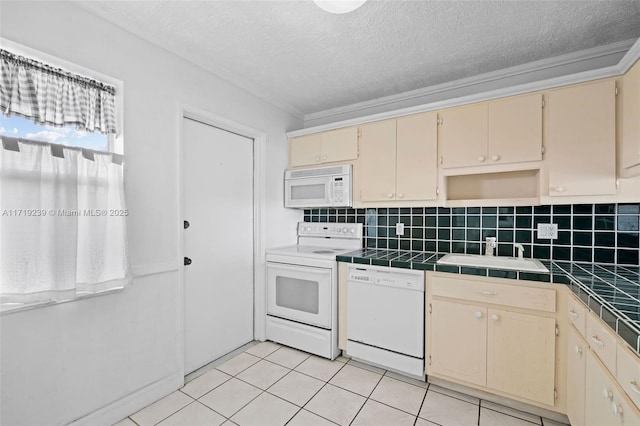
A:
(577, 350)
(459, 341)
(605, 401)
(521, 355)
(510, 352)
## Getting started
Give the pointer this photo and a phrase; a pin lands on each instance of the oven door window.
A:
(300, 293)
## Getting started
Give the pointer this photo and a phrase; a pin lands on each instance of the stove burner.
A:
(323, 251)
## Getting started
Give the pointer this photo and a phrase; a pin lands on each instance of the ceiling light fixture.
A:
(339, 6)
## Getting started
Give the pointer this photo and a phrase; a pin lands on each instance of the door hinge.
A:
(437, 190)
(429, 359)
(441, 159)
(430, 310)
(439, 121)
(557, 331)
(616, 91)
(555, 393)
(543, 103)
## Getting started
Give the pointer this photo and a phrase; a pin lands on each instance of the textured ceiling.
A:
(308, 60)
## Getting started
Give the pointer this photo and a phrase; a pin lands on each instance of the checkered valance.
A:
(55, 97)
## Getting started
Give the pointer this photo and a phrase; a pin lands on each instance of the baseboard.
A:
(132, 403)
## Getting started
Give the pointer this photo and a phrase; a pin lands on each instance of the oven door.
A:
(308, 192)
(300, 293)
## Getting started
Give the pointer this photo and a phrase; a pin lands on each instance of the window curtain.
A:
(62, 209)
(54, 97)
(62, 223)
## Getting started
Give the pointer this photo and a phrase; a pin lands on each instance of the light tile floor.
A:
(269, 384)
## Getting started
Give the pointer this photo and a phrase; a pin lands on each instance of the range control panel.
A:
(325, 229)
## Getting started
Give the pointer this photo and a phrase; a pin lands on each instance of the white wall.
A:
(110, 354)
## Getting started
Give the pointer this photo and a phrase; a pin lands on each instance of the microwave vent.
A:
(325, 171)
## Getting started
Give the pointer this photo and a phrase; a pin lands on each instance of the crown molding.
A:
(585, 76)
(630, 58)
(531, 69)
(632, 55)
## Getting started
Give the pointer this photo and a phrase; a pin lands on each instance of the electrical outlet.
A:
(547, 231)
(399, 228)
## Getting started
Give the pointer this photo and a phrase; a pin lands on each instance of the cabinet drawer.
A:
(602, 342)
(577, 314)
(499, 294)
(628, 373)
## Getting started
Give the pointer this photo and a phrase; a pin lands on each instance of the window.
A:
(62, 205)
(22, 128)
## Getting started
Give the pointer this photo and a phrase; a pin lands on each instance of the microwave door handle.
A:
(330, 190)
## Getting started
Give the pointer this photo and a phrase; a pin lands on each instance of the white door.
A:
(218, 204)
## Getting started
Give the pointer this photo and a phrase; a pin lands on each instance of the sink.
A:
(501, 262)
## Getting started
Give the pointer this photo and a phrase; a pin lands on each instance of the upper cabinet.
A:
(630, 112)
(580, 144)
(325, 147)
(497, 132)
(398, 159)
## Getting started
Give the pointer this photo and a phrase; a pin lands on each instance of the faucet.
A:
(520, 250)
(489, 246)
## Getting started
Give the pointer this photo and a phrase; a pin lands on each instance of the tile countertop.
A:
(610, 291)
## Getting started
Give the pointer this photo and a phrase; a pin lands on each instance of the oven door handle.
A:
(297, 268)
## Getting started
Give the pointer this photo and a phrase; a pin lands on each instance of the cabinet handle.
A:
(558, 189)
(390, 195)
(573, 313)
(401, 195)
(634, 386)
(495, 157)
(478, 314)
(495, 317)
(578, 350)
(598, 341)
(317, 159)
(481, 158)
(607, 394)
(324, 158)
(615, 408)
(487, 293)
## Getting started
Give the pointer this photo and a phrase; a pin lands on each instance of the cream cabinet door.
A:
(340, 145)
(630, 135)
(305, 150)
(515, 130)
(605, 402)
(458, 344)
(580, 147)
(417, 157)
(576, 371)
(463, 136)
(521, 355)
(377, 166)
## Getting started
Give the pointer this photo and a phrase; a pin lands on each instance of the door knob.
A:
(186, 224)
(495, 157)
(481, 158)
(187, 261)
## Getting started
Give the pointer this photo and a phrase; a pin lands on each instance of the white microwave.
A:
(318, 187)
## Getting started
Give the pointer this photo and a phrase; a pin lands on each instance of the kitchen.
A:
(139, 351)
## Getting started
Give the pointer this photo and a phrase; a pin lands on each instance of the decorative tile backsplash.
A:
(600, 233)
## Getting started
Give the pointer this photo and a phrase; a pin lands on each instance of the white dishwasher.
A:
(385, 317)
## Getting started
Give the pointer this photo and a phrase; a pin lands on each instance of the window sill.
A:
(10, 308)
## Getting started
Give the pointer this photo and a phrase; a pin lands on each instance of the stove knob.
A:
(338, 230)
(308, 229)
(353, 230)
(345, 230)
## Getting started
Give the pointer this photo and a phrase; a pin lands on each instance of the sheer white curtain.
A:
(62, 223)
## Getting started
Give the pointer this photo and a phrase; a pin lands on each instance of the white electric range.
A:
(302, 287)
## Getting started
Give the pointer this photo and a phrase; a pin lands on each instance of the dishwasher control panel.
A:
(389, 277)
